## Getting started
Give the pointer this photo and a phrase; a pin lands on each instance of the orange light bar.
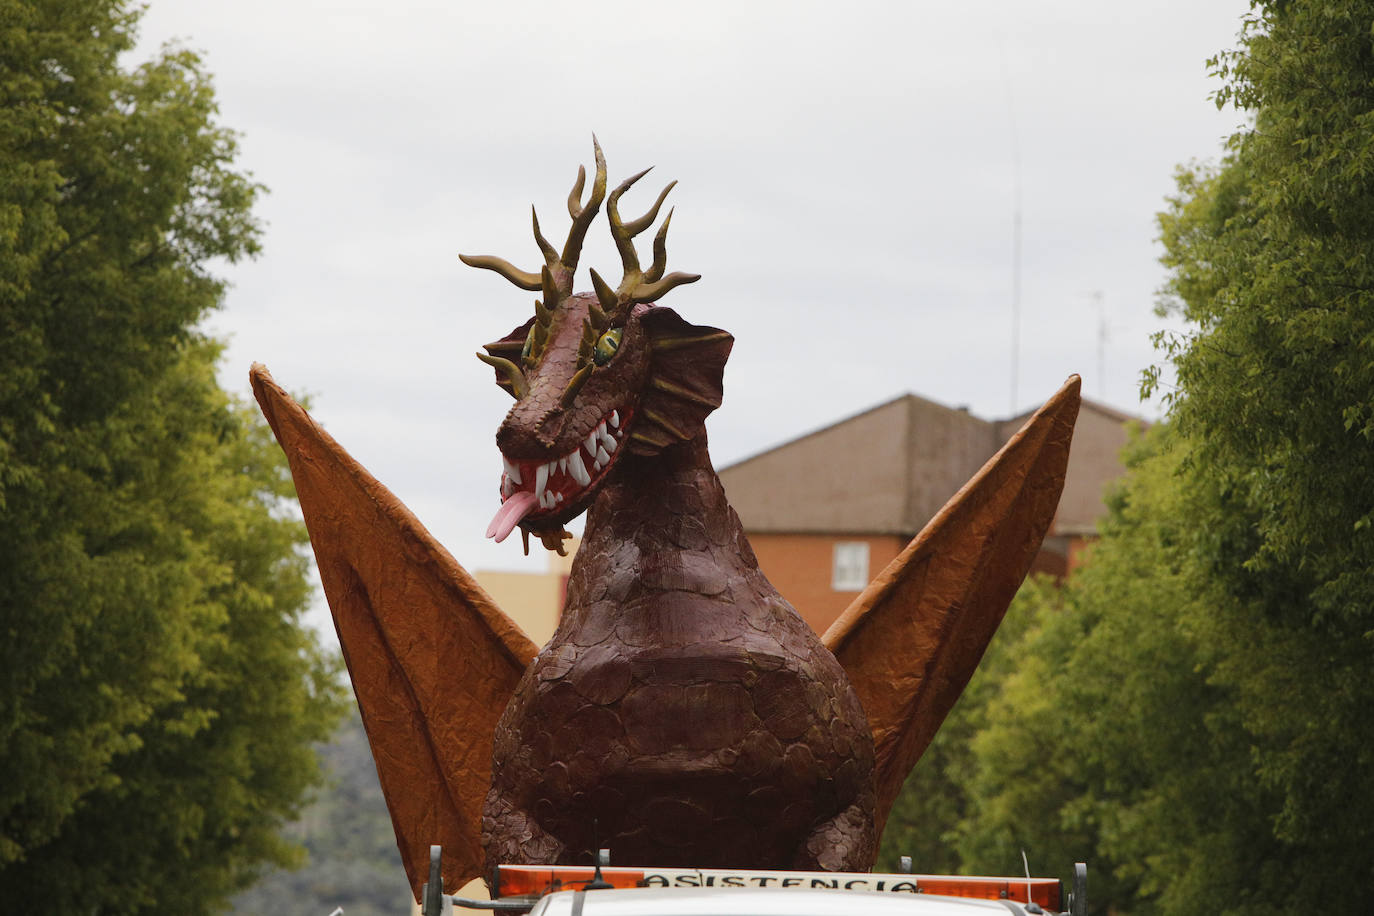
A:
(537, 880)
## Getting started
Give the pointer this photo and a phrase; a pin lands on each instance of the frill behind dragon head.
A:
(595, 375)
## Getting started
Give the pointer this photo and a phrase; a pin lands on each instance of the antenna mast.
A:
(1016, 290)
(1015, 231)
(1099, 301)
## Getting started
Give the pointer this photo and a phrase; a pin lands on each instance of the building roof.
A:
(888, 469)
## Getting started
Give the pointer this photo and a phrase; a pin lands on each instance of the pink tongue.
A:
(508, 516)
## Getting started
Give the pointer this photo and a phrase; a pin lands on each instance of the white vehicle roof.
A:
(762, 901)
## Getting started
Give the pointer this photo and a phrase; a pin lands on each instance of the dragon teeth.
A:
(578, 469)
(541, 480)
(600, 444)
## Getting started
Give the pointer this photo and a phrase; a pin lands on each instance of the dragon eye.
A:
(606, 346)
(529, 345)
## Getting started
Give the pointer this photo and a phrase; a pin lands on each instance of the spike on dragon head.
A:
(596, 376)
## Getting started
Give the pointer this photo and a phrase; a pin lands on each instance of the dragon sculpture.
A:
(683, 713)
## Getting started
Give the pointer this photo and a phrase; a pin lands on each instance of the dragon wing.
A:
(433, 660)
(911, 640)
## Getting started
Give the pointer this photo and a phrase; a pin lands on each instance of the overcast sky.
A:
(848, 175)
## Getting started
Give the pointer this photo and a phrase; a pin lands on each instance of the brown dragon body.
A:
(683, 713)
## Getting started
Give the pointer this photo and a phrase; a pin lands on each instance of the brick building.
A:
(827, 511)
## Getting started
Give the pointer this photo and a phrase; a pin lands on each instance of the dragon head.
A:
(596, 376)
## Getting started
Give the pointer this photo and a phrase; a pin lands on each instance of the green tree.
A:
(1271, 262)
(1147, 773)
(1209, 669)
(1003, 775)
(159, 697)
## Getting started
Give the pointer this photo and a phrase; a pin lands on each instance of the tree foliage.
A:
(1147, 776)
(1271, 262)
(159, 697)
(1192, 708)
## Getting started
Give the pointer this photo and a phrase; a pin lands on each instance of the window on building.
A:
(850, 571)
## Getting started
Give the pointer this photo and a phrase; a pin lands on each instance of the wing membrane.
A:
(432, 658)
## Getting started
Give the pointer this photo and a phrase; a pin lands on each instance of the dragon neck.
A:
(662, 525)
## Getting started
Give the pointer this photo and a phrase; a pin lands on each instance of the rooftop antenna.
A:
(1015, 226)
(1100, 302)
(1031, 905)
(599, 882)
(602, 857)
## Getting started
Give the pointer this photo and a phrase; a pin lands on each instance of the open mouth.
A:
(534, 488)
